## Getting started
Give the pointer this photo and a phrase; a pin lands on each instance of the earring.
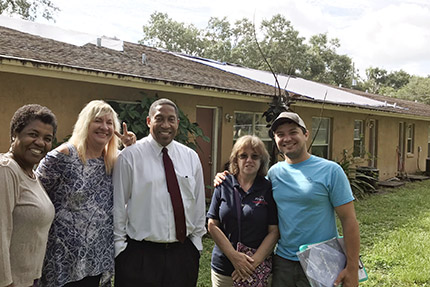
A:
(12, 145)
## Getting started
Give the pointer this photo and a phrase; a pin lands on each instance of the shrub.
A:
(361, 182)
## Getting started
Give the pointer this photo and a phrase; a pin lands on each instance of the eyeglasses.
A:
(252, 156)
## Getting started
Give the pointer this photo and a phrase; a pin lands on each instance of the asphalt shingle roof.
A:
(160, 66)
(402, 106)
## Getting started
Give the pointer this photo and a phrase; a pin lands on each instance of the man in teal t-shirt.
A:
(308, 191)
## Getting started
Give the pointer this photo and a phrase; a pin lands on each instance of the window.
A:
(252, 124)
(410, 138)
(428, 143)
(321, 144)
(358, 139)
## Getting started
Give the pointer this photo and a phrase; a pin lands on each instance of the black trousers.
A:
(90, 281)
(145, 263)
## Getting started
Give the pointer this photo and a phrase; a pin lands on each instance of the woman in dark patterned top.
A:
(77, 177)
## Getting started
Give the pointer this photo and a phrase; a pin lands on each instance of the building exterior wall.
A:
(67, 97)
(64, 98)
(342, 123)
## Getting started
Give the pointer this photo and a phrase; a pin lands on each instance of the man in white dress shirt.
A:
(146, 248)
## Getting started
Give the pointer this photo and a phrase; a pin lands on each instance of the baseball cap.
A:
(285, 117)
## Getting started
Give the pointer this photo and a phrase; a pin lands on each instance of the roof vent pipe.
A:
(144, 59)
(99, 42)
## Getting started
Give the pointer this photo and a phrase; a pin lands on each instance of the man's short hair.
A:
(163, 101)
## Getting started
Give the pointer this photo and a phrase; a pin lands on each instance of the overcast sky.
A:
(389, 34)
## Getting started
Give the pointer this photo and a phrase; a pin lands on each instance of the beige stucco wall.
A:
(387, 138)
(188, 105)
(67, 97)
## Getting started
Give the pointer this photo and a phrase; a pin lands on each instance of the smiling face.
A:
(100, 130)
(248, 162)
(31, 144)
(163, 124)
(291, 141)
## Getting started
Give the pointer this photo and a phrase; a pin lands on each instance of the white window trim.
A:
(361, 138)
(428, 142)
(328, 144)
(253, 127)
(410, 138)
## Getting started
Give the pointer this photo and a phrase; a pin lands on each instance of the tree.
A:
(218, 40)
(376, 78)
(164, 32)
(245, 47)
(29, 10)
(398, 79)
(282, 46)
(417, 89)
(325, 65)
(382, 82)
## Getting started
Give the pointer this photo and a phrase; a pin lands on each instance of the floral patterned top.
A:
(80, 241)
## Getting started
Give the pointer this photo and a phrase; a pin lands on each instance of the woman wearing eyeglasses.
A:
(242, 209)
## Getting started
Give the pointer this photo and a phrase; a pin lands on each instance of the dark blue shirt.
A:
(258, 212)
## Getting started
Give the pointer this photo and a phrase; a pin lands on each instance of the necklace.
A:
(29, 173)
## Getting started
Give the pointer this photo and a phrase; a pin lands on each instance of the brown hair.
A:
(254, 143)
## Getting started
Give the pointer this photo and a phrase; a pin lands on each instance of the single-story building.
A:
(391, 135)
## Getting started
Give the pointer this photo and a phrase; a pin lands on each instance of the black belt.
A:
(160, 245)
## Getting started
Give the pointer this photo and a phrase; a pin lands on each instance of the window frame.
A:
(326, 145)
(359, 139)
(410, 135)
(428, 142)
(257, 117)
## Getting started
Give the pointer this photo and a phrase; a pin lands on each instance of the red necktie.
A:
(175, 196)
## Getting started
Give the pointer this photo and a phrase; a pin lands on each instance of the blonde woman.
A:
(77, 177)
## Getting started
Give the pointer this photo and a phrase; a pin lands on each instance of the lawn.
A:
(395, 238)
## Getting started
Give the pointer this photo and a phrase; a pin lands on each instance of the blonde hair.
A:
(79, 137)
(254, 143)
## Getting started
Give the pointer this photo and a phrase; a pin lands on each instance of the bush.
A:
(360, 181)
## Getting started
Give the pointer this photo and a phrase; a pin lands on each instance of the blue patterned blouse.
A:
(80, 241)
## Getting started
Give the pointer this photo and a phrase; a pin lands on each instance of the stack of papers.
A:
(323, 261)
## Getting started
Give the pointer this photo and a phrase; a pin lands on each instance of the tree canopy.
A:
(29, 9)
(397, 84)
(283, 47)
(417, 89)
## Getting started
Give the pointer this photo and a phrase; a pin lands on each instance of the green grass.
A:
(205, 263)
(395, 238)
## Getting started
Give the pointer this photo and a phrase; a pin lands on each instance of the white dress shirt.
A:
(142, 205)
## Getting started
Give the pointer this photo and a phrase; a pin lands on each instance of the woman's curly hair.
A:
(28, 113)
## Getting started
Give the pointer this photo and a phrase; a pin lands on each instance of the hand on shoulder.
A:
(64, 149)
(220, 177)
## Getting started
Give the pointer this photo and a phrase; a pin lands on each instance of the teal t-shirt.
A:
(306, 194)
